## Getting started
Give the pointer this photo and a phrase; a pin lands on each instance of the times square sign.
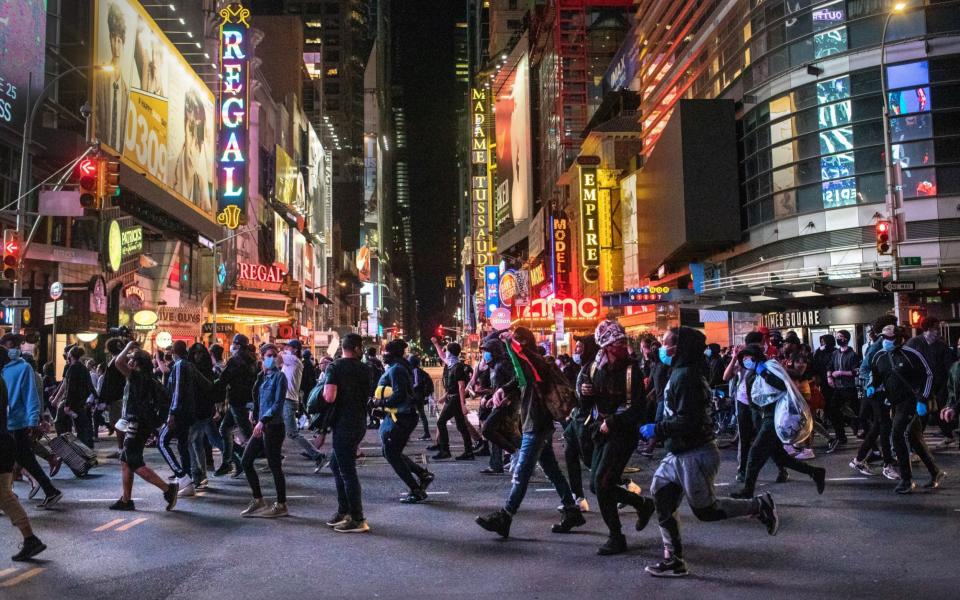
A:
(234, 100)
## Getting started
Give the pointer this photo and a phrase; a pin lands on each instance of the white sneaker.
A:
(584, 506)
(805, 454)
(861, 467)
(891, 472)
(257, 504)
(184, 481)
(187, 491)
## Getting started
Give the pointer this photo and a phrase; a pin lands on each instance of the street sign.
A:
(56, 290)
(900, 286)
(910, 261)
(11, 302)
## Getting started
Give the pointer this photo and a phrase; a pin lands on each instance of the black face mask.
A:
(389, 358)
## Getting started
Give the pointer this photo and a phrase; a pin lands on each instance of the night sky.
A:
(425, 34)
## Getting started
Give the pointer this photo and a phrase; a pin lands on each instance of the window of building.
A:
(830, 42)
(913, 127)
(836, 166)
(908, 101)
(871, 188)
(908, 75)
(784, 204)
(836, 140)
(918, 183)
(842, 192)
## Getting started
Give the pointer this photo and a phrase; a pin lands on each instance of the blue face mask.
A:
(748, 364)
(268, 362)
(888, 345)
(708, 352)
(664, 357)
(578, 359)
(13, 353)
(487, 357)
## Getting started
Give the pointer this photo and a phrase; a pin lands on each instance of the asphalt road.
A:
(858, 540)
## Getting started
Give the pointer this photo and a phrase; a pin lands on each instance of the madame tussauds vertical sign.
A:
(482, 226)
(233, 102)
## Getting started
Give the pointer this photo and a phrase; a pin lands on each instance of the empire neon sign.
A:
(234, 103)
(589, 222)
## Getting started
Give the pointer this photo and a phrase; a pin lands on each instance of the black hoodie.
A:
(686, 423)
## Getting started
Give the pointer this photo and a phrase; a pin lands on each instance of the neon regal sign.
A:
(234, 103)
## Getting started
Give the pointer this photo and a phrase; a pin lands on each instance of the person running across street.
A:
(142, 401)
(841, 377)
(907, 380)
(182, 389)
(692, 459)
(347, 388)
(456, 376)
(578, 444)
(23, 416)
(395, 397)
(614, 392)
(111, 387)
(270, 394)
(501, 426)
(536, 446)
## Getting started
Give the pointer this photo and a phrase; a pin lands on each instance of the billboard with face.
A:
(514, 189)
(150, 107)
(22, 42)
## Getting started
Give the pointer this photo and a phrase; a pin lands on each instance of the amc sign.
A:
(547, 308)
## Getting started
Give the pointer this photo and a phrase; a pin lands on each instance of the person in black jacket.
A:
(422, 390)
(204, 428)
(182, 389)
(692, 459)
(501, 425)
(578, 444)
(766, 444)
(236, 381)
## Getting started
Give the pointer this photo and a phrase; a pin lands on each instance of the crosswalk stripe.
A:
(22, 577)
(132, 523)
(107, 526)
(6, 572)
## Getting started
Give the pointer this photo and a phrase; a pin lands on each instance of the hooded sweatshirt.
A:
(23, 397)
(399, 378)
(686, 423)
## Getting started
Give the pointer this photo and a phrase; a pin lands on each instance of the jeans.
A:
(496, 458)
(293, 430)
(907, 433)
(201, 430)
(452, 409)
(746, 432)
(271, 443)
(180, 433)
(767, 445)
(343, 464)
(394, 436)
(879, 432)
(227, 423)
(611, 453)
(537, 447)
(28, 460)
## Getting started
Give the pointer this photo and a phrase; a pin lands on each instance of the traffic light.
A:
(109, 177)
(439, 331)
(89, 182)
(915, 315)
(883, 237)
(11, 253)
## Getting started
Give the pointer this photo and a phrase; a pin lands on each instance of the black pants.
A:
(271, 444)
(343, 465)
(573, 453)
(746, 431)
(82, 424)
(767, 445)
(452, 409)
(394, 436)
(28, 460)
(422, 413)
(611, 453)
(907, 433)
(879, 432)
(840, 398)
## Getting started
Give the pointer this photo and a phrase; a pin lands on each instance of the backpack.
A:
(154, 402)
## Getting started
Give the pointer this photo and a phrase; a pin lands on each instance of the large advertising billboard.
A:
(628, 208)
(23, 25)
(150, 107)
(514, 191)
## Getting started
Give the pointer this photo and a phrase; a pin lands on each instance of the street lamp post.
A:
(891, 198)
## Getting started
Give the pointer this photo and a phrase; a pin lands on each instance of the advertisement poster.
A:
(150, 107)
(288, 176)
(628, 196)
(23, 25)
(514, 189)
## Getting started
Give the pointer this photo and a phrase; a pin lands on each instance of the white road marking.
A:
(102, 499)
(436, 493)
(849, 478)
(6, 572)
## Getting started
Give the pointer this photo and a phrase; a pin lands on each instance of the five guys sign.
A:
(233, 102)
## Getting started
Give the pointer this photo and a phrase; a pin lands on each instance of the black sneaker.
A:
(173, 491)
(489, 471)
(352, 526)
(783, 476)
(935, 481)
(442, 455)
(122, 504)
(414, 497)
(644, 513)
(30, 547)
(768, 513)
(425, 438)
(615, 544)
(223, 469)
(743, 493)
(52, 499)
(905, 486)
(668, 567)
(466, 456)
(572, 517)
(820, 478)
(497, 522)
(433, 447)
(833, 444)
(337, 519)
(426, 480)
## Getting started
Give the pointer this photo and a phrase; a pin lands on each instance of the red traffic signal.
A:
(883, 230)
(88, 169)
(11, 253)
(439, 330)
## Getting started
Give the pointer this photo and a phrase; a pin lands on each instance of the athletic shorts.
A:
(694, 471)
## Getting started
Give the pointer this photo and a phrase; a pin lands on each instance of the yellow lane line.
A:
(109, 525)
(22, 577)
(132, 523)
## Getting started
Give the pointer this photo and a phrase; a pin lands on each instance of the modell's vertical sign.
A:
(234, 104)
(560, 240)
(480, 180)
(589, 217)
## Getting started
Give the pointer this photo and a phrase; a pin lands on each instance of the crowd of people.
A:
(252, 403)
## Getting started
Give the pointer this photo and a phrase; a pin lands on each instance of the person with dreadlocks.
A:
(536, 442)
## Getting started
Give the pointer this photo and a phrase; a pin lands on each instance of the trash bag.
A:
(792, 418)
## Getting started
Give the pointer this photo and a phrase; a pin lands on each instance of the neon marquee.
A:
(234, 103)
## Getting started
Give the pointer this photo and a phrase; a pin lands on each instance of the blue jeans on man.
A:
(537, 447)
(293, 430)
(203, 429)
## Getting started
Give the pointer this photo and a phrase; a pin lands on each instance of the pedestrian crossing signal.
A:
(916, 315)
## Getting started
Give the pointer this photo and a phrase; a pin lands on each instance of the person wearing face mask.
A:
(142, 401)
(569, 368)
(614, 390)
(693, 460)
(456, 376)
(395, 396)
(764, 388)
(715, 366)
(23, 414)
(236, 381)
(270, 393)
(71, 399)
(904, 375)
(939, 357)
(841, 377)
(500, 425)
(746, 430)
(578, 447)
